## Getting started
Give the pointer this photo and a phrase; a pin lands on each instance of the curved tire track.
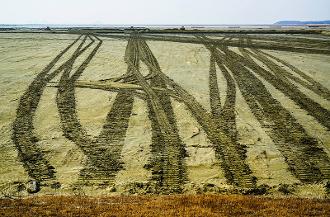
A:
(30, 154)
(223, 144)
(307, 161)
(159, 144)
(167, 160)
(104, 151)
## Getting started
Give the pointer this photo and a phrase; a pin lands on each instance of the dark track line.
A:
(223, 144)
(169, 172)
(240, 174)
(296, 41)
(225, 119)
(104, 151)
(298, 148)
(30, 154)
(259, 45)
(228, 116)
(108, 145)
(159, 144)
(281, 83)
(70, 122)
(115, 129)
(311, 84)
(280, 39)
(215, 101)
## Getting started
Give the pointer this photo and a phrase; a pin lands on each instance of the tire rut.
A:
(103, 152)
(167, 161)
(240, 174)
(102, 160)
(225, 119)
(30, 154)
(309, 82)
(158, 142)
(281, 83)
(306, 160)
(268, 45)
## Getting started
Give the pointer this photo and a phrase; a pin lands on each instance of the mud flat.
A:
(141, 113)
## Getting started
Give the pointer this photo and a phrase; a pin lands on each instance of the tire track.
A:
(317, 43)
(170, 154)
(302, 48)
(240, 174)
(215, 102)
(160, 163)
(281, 83)
(111, 139)
(311, 84)
(228, 117)
(225, 117)
(306, 160)
(105, 156)
(104, 151)
(30, 154)
(236, 171)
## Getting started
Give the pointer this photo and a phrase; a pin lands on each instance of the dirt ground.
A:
(198, 163)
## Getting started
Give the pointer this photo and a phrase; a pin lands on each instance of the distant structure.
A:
(182, 28)
(136, 29)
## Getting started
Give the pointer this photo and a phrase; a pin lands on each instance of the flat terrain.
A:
(109, 114)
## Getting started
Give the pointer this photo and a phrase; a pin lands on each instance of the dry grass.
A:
(193, 205)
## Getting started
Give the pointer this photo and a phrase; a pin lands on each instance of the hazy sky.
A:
(161, 11)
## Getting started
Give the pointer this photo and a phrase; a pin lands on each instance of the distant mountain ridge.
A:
(294, 22)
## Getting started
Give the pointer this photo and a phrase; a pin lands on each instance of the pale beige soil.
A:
(23, 56)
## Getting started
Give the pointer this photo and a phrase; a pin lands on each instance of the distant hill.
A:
(295, 23)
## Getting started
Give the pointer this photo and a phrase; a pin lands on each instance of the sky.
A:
(161, 11)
